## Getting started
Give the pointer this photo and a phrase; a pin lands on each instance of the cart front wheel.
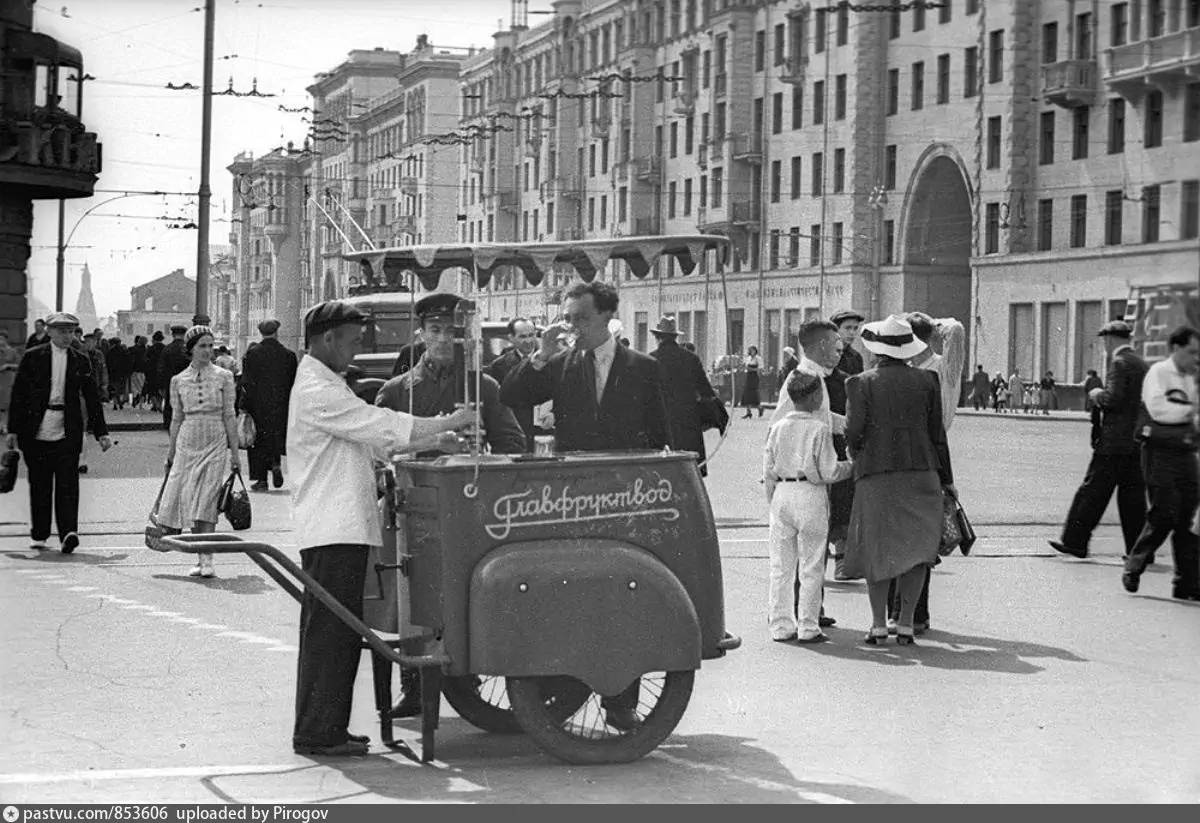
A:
(482, 700)
(585, 736)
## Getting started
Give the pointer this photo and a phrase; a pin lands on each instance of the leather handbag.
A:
(235, 503)
(966, 530)
(712, 413)
(10, 461)
(154, 532)
(247, 431)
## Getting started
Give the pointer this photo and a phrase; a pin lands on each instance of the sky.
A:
(151, 134)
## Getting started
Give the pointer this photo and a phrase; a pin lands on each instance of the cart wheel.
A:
(584, 738)
(482, 700)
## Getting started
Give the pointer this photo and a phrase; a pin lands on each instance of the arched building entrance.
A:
(938, 220)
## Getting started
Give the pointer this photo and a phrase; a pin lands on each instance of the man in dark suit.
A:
(607, 397)
(153, 390)
(174, 359)
(1115, 461)
(523, 339)
(848, 324)
(47, 423)
(684, 383)
(268, 372)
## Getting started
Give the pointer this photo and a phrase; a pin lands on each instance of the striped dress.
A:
(203, 397)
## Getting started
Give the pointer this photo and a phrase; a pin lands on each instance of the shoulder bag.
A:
(10, 461)
(235, 503)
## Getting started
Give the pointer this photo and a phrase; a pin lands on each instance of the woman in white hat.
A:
(895, 433)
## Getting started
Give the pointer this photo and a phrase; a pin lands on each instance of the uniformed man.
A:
(430, 385)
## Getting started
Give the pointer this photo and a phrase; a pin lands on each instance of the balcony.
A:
(621, 171)
(702, 155)
(408, 185)
(508, 200)
(643, 226)
(793, 70)
(1069, 83)
(601, 125)
(1158, 61)
(649, 169)
(745, 212)
(720, 81)
(684, 101)
(748, 147)
(404, 223)
(383, 193)
(533, 146)
(476, 165)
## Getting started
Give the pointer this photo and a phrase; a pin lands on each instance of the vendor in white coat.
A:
(333, 439)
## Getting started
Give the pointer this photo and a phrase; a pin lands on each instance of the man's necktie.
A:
(589, 370)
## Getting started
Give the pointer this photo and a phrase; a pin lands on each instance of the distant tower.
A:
(85, 306)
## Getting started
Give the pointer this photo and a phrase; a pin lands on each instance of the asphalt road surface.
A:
(124, 680)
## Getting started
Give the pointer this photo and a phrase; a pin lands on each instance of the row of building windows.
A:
(1114, 214)
(1162, 16)
(1152, 125)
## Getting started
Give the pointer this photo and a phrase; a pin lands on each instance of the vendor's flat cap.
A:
(178, 328)
(436, 305)
(329, 315)
(1116, 328)
(62, 319)
(268, 327)
(845, 314)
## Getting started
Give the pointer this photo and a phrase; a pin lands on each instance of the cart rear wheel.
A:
(584, 737)
(482, 700)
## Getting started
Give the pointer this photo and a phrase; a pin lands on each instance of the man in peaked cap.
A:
(1115, 461)
(848, 323)
(333, 438)
(268, 372)
(53, 385)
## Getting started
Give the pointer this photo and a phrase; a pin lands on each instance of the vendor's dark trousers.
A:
(53, 468)
(1106, 473)
(921, 614)
(329, 649)
(1172, 483)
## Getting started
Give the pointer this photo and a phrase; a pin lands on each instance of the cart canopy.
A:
(385, 267)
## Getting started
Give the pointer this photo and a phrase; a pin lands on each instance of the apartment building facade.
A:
(1018, 165)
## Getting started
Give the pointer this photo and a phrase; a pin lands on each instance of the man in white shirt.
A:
(54, 400)
(1170, 431)
(333, 439)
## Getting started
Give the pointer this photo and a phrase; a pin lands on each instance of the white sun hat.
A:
(893, 337)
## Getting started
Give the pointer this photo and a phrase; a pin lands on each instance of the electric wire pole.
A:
(205, 192)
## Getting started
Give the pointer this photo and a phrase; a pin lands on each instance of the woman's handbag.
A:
(235, 503)
(951, 532)
(246, 431)
(966, 531)
(10, 461)
(154, 532)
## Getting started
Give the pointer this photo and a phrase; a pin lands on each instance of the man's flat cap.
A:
(436, 305)
(331, 314)
(1116, 328)
(62, 319)
(178, 328)
(268, 327)
(845, 314)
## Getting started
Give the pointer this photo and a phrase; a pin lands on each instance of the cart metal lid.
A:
(536, 260)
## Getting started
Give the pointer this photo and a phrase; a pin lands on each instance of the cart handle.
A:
(231, 544)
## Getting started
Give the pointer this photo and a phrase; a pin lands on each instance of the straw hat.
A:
(892, 337)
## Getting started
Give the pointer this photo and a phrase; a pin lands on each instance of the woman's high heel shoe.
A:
(876, 635)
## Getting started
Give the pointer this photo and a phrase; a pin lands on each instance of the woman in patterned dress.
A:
(204, 444)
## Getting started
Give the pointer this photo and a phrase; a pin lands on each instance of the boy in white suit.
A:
(799, 462)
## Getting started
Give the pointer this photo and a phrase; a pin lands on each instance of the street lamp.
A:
(60, 261)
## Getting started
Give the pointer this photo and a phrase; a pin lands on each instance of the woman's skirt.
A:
(201, 467)
(750, 390)
(895, 524)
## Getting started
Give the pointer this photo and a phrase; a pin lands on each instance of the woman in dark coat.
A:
(684, 383)
(750, 398)
(120, 367)
(895, 434)
(153, 387)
